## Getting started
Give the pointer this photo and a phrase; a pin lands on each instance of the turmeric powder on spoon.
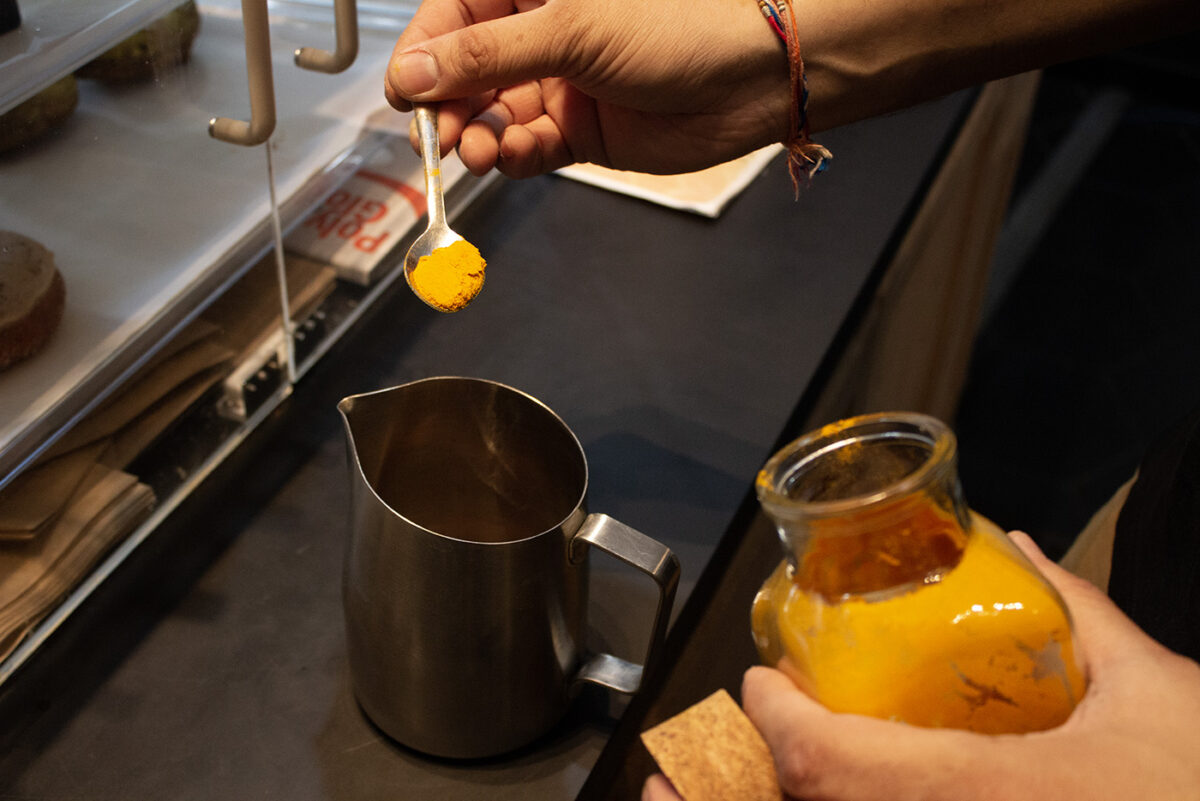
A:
(443, 269)
(450, 277)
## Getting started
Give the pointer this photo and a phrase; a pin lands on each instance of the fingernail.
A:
(414, 73)
(506, 151)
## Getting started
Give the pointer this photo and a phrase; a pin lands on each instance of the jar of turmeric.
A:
(894, 599)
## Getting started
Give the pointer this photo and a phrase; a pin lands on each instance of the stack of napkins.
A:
(59, 518)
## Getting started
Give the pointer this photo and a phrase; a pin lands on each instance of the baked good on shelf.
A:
(164, 43)
(32, 118)
(32, 297)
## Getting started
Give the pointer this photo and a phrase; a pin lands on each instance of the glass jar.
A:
(894, 599)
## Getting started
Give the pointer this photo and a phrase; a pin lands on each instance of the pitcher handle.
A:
(652, 558)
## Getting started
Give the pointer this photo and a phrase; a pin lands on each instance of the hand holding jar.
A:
(894, 599)
(917, 652)
(1133, 734)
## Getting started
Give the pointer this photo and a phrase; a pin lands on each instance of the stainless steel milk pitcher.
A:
(465, 582)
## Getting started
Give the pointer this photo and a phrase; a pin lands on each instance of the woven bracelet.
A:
(805, 157)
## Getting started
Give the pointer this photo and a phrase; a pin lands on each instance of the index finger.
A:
(823, 754)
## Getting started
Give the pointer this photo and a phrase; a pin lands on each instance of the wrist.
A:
(764, 47)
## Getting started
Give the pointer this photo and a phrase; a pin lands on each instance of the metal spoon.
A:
(438, 233)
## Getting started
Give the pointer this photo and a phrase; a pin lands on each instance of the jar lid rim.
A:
(914, 426)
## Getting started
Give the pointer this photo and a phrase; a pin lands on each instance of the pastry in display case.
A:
(32, 297)
(36, 117)
(164, 43)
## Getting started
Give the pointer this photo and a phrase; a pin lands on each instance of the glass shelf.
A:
(147, 216)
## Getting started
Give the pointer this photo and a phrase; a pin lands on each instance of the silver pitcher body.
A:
(465, 582)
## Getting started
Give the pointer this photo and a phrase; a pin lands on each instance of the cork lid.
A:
(26, 274)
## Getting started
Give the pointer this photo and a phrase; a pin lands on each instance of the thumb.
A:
(822, 754)
(487, 55)
(1105, 636)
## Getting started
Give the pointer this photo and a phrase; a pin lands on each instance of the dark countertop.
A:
(213, 667)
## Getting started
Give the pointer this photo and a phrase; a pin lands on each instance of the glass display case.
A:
(203, 277)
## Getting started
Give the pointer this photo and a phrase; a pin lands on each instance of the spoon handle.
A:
(427, 132)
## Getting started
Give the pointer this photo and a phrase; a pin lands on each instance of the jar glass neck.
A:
(868, 504)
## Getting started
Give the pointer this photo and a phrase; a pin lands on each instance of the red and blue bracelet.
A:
(805, 157)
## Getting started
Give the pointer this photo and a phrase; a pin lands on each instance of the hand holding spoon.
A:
(446, 280)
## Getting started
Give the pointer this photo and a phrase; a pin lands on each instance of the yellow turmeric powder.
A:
(987, 647)
(450, 277)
